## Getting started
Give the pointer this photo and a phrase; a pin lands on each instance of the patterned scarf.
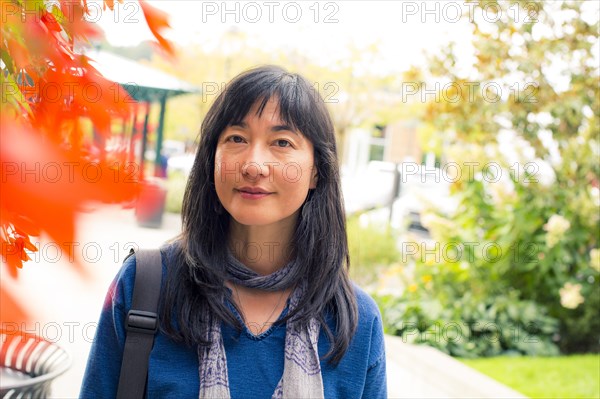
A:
(301, 372)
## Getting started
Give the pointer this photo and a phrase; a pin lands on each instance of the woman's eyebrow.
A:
(274, 128)
(279, 128)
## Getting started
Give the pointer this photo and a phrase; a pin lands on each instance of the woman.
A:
(256, 300)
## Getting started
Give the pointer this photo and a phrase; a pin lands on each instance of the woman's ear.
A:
(314, 178)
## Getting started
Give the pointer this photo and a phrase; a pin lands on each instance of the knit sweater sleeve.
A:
(375, 386)
(376, 382)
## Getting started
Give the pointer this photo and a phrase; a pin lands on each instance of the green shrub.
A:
(469, 327)
(544, 250)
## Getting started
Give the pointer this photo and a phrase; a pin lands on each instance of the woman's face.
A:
(263, 169)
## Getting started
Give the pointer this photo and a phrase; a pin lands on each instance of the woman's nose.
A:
(258, 163)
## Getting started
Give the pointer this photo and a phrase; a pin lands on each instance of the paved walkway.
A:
(424, 372)
(67, 304)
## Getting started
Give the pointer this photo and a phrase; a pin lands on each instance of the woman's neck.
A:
(264, 249)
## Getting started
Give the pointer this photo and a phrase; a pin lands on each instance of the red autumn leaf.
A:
(25, 226)
(110, 4)
(50, 22)
(75, 23)
(105, 101)
(30, 192)
(37, 175)
(37, 37)
(158, 21)
(14, 241)
(19, 53)
(10, 308)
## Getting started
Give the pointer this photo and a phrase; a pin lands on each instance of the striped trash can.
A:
(29, 364)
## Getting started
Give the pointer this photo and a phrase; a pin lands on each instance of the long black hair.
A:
(196, 274)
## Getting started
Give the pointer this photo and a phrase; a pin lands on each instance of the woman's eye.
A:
(235, 139)
(283, 143)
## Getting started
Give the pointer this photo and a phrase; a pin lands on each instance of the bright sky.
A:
(326, 31)
(322, 30)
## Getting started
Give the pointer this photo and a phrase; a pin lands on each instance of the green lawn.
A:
(545, 377)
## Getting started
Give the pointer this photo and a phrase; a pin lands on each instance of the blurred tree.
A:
(357, 96)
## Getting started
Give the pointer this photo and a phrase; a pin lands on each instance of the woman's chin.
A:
(252, 220)
(263, 219)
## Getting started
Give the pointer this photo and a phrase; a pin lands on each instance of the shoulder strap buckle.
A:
(142, 322)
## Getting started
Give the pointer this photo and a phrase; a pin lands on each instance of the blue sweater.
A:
(254, 363)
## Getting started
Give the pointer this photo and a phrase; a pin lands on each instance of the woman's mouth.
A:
(253, 192)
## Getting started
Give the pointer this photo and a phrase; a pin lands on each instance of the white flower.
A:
(557, 224)
(570, 296)
(556, 227)
(502, 191)
(544, 173)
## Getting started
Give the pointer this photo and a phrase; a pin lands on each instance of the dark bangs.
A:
(299, 104)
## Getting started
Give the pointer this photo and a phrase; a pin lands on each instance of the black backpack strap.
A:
(141, 325)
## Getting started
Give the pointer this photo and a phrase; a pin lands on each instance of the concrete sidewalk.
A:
(66, 305)
(424, 372)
